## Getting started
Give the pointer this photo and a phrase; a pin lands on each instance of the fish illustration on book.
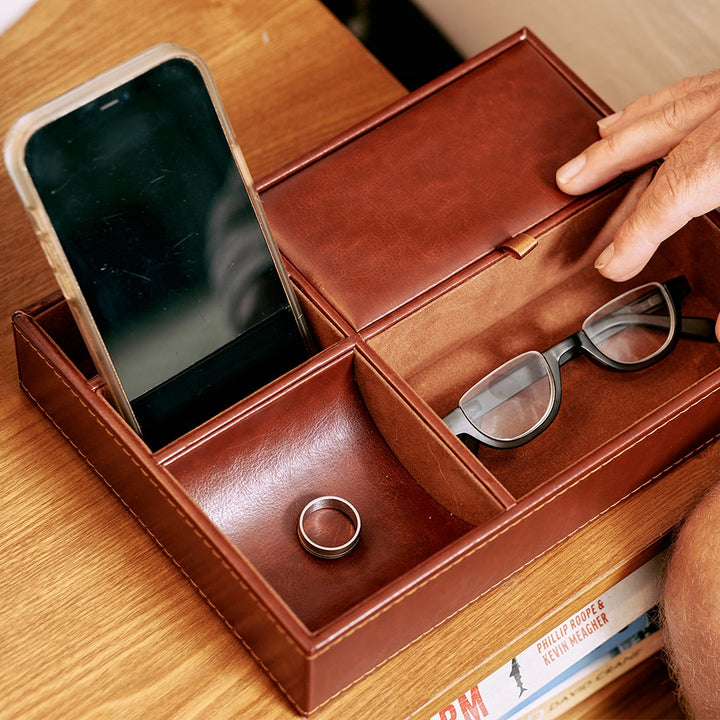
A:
(515, 674)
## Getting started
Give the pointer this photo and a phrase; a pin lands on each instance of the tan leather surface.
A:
(530, 304)
(225, 511)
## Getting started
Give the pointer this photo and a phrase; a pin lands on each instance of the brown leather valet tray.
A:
(402, 238)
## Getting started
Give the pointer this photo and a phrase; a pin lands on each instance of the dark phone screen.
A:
(156, 223)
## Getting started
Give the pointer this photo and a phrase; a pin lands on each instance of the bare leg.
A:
(691, 605)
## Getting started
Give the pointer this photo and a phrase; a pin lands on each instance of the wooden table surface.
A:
(94, 619)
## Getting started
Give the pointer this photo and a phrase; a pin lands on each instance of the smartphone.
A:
(147, 213)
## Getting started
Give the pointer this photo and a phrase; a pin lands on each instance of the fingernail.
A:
(605, 257)
(606, 122)
(571, 169)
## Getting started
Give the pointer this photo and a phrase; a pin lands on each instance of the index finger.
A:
(650, 137)
(648, 104)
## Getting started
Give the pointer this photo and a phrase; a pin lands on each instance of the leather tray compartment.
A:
(223, 503)
(621, 428)
(254, 494)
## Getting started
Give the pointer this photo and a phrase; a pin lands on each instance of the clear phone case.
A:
(15, 148)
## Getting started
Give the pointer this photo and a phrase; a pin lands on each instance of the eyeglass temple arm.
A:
(679, 288)
(698, 328)
(694, 328)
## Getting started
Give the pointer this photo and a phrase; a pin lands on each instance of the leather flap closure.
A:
(428, 187)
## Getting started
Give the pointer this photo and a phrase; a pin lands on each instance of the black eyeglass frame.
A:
(695, 328)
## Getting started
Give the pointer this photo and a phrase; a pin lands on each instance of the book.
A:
(629, 648)
(551, 656)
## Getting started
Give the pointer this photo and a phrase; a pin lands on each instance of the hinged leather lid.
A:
(437, 181)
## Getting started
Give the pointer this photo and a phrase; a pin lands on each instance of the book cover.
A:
(599, 668)
(552, 655)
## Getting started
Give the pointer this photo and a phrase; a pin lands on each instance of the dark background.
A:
(399, 36)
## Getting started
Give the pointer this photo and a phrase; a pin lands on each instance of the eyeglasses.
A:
(515, 403)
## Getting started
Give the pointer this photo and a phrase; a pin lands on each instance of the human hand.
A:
(681, 124)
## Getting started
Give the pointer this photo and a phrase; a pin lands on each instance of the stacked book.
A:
(583, 654)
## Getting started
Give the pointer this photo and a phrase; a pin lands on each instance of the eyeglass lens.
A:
(512, 400)
(634, 327)
(516, 398)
